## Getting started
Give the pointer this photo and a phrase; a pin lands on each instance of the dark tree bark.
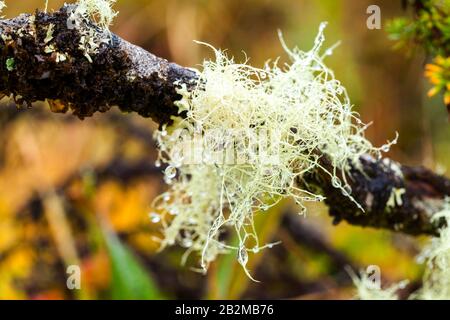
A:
(120, 74)
(394, 197)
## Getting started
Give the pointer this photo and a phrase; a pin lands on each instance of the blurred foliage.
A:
(438, 73)
(228, 280)
(130, 280)
(430, 28)
(59, 177)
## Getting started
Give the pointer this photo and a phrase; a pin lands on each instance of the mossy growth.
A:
(436, 280)
(99, 11)
(368, 290)
(306, 114)
(429, 27)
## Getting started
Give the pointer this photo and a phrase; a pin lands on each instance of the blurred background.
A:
(79, 192)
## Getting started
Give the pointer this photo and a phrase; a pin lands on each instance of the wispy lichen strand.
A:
(2, 6)
(368, 290)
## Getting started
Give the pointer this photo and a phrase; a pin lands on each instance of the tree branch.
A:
(71, 75)
(35, 68)
(394, 197)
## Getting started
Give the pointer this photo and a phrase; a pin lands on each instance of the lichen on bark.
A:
(135, 80)
(120, 74)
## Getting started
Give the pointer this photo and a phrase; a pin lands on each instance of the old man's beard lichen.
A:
(307, 114)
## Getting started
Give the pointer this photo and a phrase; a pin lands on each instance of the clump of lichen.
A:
(367, 289)
(100, 11)
(248, 137)
(2, 6)
(86, 12)
(436, 280)
(436, 283)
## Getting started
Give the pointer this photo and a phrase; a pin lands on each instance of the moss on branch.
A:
(87, 70)
(84, 69)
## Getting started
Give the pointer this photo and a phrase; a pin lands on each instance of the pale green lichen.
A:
(395, 199)
(436, 282)
(2, 6)
(49, 33)
(304, 111)
(51, 48)
(99, 11)
(367, 289)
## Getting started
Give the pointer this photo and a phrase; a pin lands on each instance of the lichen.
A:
(436, 282)
(49, 34)
(2, 6)
(395, 198)
(99, 11)
(277, 122)
(368, 290)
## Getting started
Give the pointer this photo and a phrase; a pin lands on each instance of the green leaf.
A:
(130, 280)
(10, 64)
